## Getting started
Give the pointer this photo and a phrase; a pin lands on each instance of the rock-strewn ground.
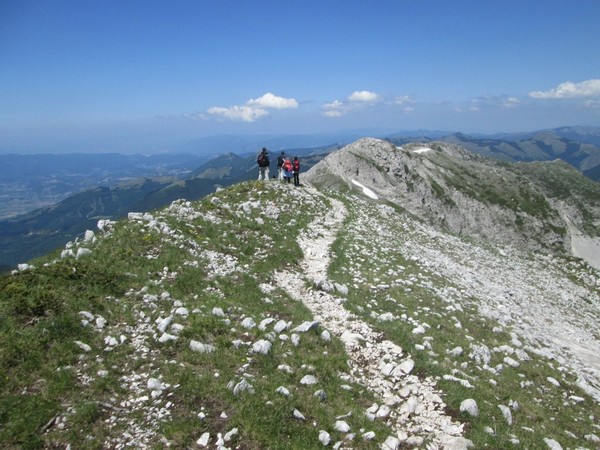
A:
(446, 340)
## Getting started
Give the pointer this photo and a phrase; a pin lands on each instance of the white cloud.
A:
(363, 97)
(254, 109)
(355, 100)
(404, 100)
(588, 88)
(243, 113)
(334, 109)
(271, 101)
(511, 102)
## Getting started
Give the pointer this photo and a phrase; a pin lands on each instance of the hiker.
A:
(296, 170)
(280, 160)
(287, 170)
(263, 164)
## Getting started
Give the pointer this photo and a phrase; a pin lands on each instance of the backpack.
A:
(296, 165)
(262, 160)
(287, 165)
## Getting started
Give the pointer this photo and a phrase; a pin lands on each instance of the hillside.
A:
(43, 230)
(268, 316)
(545, 206)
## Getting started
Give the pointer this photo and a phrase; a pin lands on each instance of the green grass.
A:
(46, 375)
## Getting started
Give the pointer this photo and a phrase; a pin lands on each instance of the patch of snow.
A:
(368, 192)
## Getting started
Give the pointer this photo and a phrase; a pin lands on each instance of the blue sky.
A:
(93, 74)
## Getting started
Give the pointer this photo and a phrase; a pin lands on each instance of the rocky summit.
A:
(414, 297)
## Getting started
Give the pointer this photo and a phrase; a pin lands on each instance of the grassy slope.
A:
(45, 375)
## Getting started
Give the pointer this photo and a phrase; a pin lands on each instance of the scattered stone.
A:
(552, 444)
(308, 380)
(203, 440)
(199, 347)
(243, 386)
(506, 413)
(324, 437)
(261, 346)
(341, 426)
(470, 406)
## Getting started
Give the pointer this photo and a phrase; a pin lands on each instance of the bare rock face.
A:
(447, 186)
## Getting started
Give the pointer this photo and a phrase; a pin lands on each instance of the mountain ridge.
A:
(270, 316)
(468, 194)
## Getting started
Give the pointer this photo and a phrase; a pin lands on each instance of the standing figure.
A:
(280, 160)
(296, 170)
(263, 165)
(287, 170)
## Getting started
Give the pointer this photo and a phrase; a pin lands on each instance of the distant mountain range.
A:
(136, 183)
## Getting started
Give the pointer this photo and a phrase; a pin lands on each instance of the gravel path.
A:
(411, 406)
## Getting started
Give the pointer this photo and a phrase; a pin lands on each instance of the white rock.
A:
(281, 326)
(265, 322)
(418, 330)
(324, 437)
(506, 413)
(243, 386)
(248, 323)
(154, 384)
(552, 444)
(82, 252)
(298, 415)
(511, 362)
(341, 426)
(230, 434)
(383, 411)
(83, 346)
(553, 381)
(455, 352)
(218, 312)
(305, 326)
(407, 366)
(203, 440)
(261, 346)
(470, 406)
(285, 368)
(110, 341)
(391, 443)
(100, 322)
(409, 406)
(181, 311)
(592, 438)
(326, 336)
(368, 436)
(308, 380)
(349, 337)
(166, 337)
(201, 348)
(283, 391)
(164, 323)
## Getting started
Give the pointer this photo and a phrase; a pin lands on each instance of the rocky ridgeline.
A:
(448, 186)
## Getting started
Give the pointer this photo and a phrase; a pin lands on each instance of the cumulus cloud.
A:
(355, 100)
(243, 113)
(363, 97)
(254, 108)
(588, 88)
(273, 102)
